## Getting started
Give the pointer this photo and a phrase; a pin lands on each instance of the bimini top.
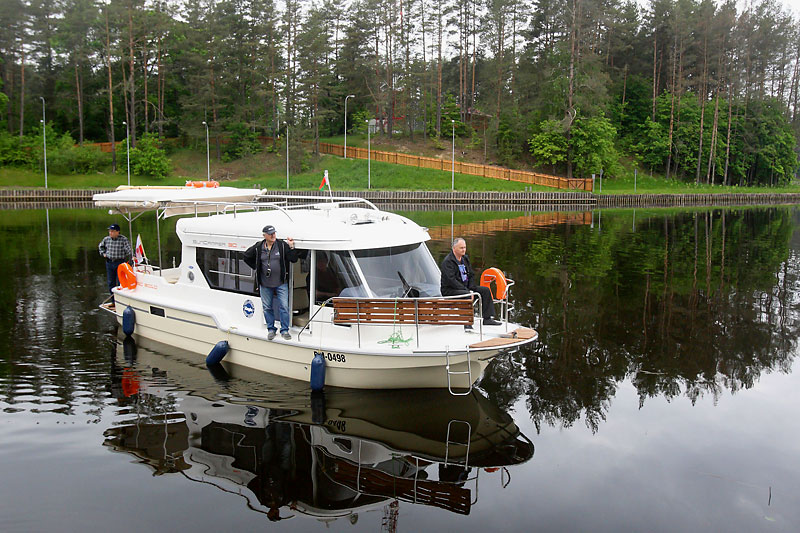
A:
(174, 200)
(321, 226)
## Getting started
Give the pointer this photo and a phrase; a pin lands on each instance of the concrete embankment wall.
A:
(681, 200)
(432, 200)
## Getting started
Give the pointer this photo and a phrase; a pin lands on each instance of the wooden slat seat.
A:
(439, 311)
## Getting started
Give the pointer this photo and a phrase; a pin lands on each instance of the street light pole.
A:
(453, 159)
(44, 141)
(369, 159)
(345, 123)
(287, 155)
(208, 154)
(128, 150)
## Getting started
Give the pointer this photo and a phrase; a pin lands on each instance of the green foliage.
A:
(652, 148)
(3, 104)
(71, 159)
(358, 122)
(148, 158)
(549, 145)
(593, 146)
(451, 118)
(12, 151)
(242, 142)
(63, 157)
(510, 137)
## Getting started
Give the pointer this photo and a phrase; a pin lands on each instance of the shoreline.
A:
(483, 200)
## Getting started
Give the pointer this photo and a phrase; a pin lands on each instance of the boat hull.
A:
(199, 333)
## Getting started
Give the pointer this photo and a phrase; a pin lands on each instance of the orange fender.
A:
(199, 184)
(130, 383)
(126, 276)
(500, 284)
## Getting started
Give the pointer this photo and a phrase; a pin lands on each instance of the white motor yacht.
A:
(365, 296)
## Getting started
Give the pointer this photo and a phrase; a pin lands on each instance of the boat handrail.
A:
(319, 199)
(221, 207)
(475, 301)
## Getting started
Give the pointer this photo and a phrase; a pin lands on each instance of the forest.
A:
(702, 91)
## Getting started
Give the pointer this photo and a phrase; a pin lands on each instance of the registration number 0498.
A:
(332, 357)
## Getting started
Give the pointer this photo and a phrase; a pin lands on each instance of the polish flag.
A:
(141, 257)
(324, 181)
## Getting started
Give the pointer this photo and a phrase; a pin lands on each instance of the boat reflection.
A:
(330, 456)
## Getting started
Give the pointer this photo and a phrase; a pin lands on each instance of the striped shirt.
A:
(117, 250)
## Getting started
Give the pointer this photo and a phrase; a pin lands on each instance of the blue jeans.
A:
(111, 275)
(267, 294)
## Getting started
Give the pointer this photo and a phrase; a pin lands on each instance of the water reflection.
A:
(286, 451)
(688, 304)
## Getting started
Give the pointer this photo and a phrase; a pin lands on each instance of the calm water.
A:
(661, 396)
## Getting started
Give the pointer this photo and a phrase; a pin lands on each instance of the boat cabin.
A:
(344, 251)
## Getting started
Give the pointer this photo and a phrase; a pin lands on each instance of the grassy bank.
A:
(268, 171)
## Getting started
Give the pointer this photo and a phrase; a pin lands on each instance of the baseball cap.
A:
(268, 229)
(114, 227)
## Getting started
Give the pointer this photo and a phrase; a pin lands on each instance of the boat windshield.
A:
(400, 271)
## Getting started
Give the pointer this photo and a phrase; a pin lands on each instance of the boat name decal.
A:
(333, 357)
(338, 425)
(198, 242)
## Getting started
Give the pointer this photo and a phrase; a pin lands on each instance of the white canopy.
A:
(175, 200)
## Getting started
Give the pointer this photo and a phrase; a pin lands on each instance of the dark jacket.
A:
(252, 258)
(451, 277)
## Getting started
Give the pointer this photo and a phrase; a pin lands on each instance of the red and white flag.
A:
(140, 256)
(325, 181)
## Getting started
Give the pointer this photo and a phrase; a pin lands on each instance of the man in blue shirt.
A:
(270, 259)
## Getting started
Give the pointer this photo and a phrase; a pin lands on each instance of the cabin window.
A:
(399, 271)
(336, 275)
(225, 270)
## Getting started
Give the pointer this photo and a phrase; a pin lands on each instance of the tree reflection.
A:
(691, 303)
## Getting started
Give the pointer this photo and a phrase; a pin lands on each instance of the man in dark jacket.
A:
(271, 260)
(459, 278)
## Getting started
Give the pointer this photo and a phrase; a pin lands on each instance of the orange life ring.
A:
(126, 276)
(200, 184)
(500, 284)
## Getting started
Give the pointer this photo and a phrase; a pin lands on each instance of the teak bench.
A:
(437, 311)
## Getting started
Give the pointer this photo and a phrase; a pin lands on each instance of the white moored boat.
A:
(365, 296)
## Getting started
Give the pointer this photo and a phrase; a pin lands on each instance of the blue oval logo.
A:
(248, 308)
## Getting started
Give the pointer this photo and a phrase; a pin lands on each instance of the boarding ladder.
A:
(449, 442)
(450, 373)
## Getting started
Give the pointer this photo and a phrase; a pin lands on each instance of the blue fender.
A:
(128, 321)
(317, 372)
(217, 353)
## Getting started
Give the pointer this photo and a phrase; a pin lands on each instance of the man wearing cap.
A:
(116, 249)
(271, 259)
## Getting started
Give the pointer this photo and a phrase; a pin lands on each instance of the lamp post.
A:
(369, 159)
(128, 150)
(345, 123)
(44, 142)
(208, 154)
(287, 155)
(453, 159)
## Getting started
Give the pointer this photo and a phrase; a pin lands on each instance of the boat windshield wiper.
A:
(408, 290)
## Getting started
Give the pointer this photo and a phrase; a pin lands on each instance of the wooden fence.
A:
(520, 223)
(472, 169)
